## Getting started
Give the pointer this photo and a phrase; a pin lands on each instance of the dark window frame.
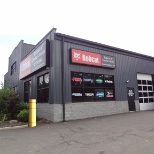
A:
(82, 95)
(15, 89)
(27, 90)
(43, 90)
(13, 68)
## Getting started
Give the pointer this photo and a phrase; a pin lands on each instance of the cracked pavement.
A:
(129, 133)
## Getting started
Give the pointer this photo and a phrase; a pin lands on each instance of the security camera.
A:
(127, 81)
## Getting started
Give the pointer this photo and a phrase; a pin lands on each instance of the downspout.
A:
(62, 72)
(153, 85)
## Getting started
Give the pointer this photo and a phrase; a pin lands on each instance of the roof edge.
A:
(122, 51)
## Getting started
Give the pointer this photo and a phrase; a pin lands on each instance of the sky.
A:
(126, 24)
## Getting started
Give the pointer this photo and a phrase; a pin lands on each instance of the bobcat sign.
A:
(90, 58)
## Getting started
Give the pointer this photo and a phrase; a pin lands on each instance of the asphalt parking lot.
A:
(130, 133)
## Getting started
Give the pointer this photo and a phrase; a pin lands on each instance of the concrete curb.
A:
(15, 127)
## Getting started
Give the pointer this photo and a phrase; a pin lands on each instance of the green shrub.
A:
(23, 115)
(4, 117)
(8, 101)
(19, 107)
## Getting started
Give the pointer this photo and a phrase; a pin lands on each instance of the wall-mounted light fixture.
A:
(127, 81)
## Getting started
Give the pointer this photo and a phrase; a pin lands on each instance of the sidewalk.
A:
(130, 133)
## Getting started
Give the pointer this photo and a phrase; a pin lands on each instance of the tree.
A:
(8, 101)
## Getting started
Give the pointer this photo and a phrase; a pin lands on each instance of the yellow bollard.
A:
(32, 113)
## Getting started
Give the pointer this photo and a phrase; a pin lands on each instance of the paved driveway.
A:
(130, 133)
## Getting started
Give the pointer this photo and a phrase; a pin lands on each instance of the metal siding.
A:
(51, 75)
(26, 50)
(126, 69)
(57, 80)
(16, 56)
(83, 42)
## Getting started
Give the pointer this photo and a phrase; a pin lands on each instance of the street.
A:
(129, 133)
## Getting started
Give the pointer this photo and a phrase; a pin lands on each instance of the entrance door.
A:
(131, 99)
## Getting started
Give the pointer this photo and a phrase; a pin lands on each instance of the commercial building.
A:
(73, 78)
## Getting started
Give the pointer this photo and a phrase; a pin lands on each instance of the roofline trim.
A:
(100, 46)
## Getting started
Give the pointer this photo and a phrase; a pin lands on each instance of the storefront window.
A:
(40, 84)
(77, 79)
(99, 80)
(109, 94)
(88, 79)
(46, 80)
(77, 94)
(91, 87)
(88, 94)
(108, 81)
(43, 89)
(27, 91)
(99, 94)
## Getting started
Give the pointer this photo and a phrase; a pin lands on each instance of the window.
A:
(109, 94)
(140, 94)
(77, 94)
(109, 81)
(150, 99)
(43, 88)
(77, 79)
(144, 82)
(99, 80)
(88, 94)
(145, 91)
(13, 68)
(88, 80)
(150, 88)
(145, 88)
(91, 87)
(77, 84)
(99, 94)
(16, 88)
(139, 87)
(27, 91)
(140, 100)
(149, 82)
(139, 82)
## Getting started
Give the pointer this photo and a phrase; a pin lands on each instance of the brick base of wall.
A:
(54, 112)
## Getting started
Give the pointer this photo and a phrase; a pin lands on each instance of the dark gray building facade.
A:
(73, 78)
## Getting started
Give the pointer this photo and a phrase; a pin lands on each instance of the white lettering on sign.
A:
(37, 51)
(37, 56)
(130, 93)
(108, 81)
(90, 59)
(108, 58)
(76, 94)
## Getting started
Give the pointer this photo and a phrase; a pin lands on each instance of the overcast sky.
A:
(126, 24)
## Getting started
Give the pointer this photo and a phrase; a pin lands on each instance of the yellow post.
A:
(32, 113)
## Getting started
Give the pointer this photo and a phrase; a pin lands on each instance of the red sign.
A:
(25, 67)
(84, 57)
